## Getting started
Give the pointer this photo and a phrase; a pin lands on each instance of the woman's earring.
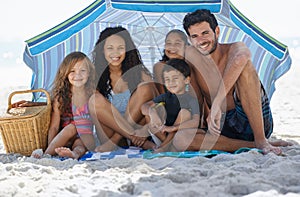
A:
(187, 87)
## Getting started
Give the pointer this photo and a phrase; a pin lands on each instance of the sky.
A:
(22, 20)
(279, 18)
(25, 19)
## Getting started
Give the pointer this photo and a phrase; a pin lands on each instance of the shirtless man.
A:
(239, 112)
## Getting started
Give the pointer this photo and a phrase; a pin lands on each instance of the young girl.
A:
(124, 85)
(71, 129)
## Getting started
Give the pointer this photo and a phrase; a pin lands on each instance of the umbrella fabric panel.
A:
(167, 5)
(44, 53)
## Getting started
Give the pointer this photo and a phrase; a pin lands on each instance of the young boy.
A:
(173, 110)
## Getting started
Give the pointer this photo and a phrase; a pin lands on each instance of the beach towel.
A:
(135, 152)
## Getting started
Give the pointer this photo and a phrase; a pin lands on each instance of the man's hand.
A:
(214, 120)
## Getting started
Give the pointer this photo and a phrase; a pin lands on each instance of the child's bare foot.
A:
(37, 153)
(106, 147)
(66, 152)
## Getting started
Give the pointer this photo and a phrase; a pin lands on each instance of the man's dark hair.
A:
(199, 16)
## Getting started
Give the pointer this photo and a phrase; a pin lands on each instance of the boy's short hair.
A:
(177, 64)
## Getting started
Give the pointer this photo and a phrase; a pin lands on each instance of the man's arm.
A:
(238, 57)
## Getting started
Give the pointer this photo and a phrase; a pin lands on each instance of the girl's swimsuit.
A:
(81, 119)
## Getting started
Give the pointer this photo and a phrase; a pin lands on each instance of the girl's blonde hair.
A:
(61, 89)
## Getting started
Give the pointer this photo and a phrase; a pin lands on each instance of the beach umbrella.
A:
(148, 22)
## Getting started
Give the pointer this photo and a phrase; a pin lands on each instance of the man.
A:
(238, 105)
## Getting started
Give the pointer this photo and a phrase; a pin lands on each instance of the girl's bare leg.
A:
(78, 150)
(61, 139)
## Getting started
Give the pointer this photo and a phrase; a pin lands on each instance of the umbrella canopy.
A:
(148, 22)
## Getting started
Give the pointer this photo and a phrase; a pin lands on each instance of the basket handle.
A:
(25, 92)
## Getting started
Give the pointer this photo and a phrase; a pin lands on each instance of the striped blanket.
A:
(134, 152)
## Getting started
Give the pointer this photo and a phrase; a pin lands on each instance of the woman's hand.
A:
(168, 129)
(137, 140)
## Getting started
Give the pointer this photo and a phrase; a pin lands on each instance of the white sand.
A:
(247, 174)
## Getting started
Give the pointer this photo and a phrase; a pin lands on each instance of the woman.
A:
(124, 85)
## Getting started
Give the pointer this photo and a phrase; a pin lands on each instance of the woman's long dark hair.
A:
(132, 66)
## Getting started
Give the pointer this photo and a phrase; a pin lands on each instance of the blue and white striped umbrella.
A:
(148, 22)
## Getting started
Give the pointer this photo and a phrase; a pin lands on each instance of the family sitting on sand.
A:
(202, 96)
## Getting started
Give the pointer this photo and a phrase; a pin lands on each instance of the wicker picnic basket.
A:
(25, 131)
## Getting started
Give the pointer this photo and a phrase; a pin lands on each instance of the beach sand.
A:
(247, 174)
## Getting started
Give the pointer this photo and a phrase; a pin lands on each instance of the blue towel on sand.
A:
(134, 152)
